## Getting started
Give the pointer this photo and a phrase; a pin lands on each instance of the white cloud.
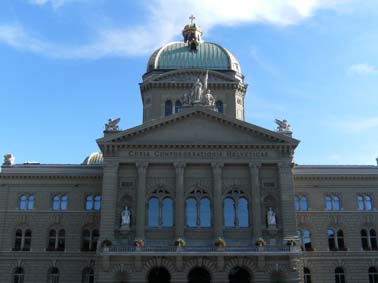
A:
(54, 3)
(166, 17)
(362, 69)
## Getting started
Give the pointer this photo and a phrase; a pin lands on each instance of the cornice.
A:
(187, 85)
(25, 176)
(337, 177)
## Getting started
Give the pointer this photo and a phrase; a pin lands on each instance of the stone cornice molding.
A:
(336, 177)
(49, 177)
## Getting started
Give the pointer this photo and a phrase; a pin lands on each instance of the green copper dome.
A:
(177, 55)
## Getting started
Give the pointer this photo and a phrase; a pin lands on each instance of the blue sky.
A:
(69, 65)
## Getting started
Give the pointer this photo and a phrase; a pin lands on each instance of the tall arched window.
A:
(53, 275)
(373, 275)
(219, 106)
(168, 108)
(340, 240)
(373, 239)
(235, 209)
(57, 240)
(339, 275)
(93, 202)
(307, 275)
(198, 209)
(307, 240)
(97, 203)
(87, 275)
(178, 106)
(160, 209)
(18, 275)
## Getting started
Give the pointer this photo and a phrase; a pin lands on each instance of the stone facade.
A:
(211, 199)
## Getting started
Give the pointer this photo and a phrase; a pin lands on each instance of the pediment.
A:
(192, 76)
(198, 127)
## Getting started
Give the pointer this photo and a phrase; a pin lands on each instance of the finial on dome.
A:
(192, 34)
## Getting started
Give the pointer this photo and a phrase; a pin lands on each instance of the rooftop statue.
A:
(8, 159)
(283, 126)
(112, 125)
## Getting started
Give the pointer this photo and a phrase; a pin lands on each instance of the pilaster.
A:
(287, 199)
(254, 171)
(109, 197)
(141, 192)
(217, 199)
(180, 202)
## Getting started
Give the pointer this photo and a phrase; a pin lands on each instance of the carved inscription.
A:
(198, 154)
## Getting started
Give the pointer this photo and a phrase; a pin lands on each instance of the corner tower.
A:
(192, 73)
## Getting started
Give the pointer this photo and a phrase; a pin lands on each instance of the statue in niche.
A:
(125, 216)
(271, 217)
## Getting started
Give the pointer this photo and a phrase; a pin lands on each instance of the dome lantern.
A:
(192, 34)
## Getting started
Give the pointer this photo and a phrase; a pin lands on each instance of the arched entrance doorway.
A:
(199, 275)
(239, 275)
(159, 275)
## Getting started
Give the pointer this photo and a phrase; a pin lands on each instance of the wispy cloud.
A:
(362, 69)
(170, 14)
(354, 125)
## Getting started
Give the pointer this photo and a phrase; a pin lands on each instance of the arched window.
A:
(332, 202)
(364, 202)
(53, 275)
(235, 209)
(229, 212)
(89, 203)
(97, 203)
(18, 275)
(153, 212)
(205, 213)
(331, 240)
(56, 240)
(339, 275)
(364, 240)
(87, 275)
(89, 238)
(307, 240)
(336, 240)
(301, 203)
(178, 106)
(340, 240)
(168, 108)
(198, 209)
(219, 106)
(60, 202)
(243, 212)
(93, 202)
(373, 275)
(199, 274)
(373, 239)
(22, 240)
(238, 275)
(167, 212)
(307, 275)
(26, 202)
(160, 209)
(158, 275)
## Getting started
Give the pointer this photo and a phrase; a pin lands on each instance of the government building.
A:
(194, 194)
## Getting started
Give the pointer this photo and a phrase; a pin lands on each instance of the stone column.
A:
(141, 193)
(109, 219)
(254, 169)
(217, 200)
(180, 200)
(287, 199)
